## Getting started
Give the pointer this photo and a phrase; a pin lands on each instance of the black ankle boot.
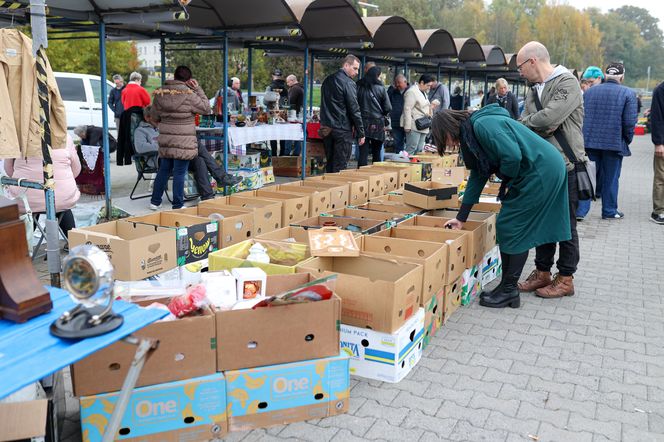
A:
(502, 299)
(507, 293)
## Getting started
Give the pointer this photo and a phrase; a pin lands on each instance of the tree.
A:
(648, 25)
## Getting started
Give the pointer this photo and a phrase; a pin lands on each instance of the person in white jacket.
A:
(416, 105)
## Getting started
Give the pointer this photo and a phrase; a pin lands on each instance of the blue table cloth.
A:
(28, 351)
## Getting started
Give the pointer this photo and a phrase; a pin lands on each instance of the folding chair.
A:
(146, 165)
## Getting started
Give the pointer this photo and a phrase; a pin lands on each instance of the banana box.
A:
(384, 356)
(452, 299)
(433, 316)
(285, 393)
(471, 284)
(492, 266)
(194, 409)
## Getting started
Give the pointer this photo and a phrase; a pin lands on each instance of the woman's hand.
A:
(454, 224)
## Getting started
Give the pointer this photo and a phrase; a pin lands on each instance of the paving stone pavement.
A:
(584, 368)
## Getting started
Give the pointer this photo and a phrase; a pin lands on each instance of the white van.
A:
(81, 94)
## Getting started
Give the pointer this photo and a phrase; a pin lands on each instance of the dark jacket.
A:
(375, 106)
(338, 108)
(115, 101)
(610, 117)
(657, 115)
(280, 85)
(456, 102)
(396, 100)
(508, 102)
(296, 97)
(129, 120)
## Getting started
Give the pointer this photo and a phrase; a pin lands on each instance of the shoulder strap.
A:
(558, 134)
(370, 89)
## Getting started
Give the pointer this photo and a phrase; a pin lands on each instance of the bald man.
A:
(559, 119)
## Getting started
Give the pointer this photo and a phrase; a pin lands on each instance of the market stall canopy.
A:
(329, 20)
(494, 56)
(511, 62)
(392, 33)
(436, 43)
(469, 50)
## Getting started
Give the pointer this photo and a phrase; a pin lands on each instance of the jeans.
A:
(609, 164)
(568, 258)
(179, 169)
(338, 146)
(375, 146)
(415, 142)
(399, 136)
(293, 148)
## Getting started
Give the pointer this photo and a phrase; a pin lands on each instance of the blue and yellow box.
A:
(285, 393)
(384, 356)
(471, 284)
(433, 316)
(194, 409)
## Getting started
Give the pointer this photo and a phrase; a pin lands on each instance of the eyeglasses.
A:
(519, 67)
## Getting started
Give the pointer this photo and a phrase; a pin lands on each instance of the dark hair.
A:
(230, 82)
(182, 73)
(447, 122)
(350, 59)
(371, 77)
(457, 90)
(426, 78)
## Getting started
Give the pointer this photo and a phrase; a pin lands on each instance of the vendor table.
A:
(264, 132)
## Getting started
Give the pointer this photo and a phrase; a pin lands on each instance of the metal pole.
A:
(438, 74)
(250, 72)
(162, 49)
(311, 85)
(304, 114)
(104, 118)
(486, 88)
(405, 71)
(362, 64)
(463, 90)
(224, 94)
(449, 82)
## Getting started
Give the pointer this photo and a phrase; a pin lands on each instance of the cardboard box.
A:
(376, 181)
(431, 256)
(456, 244)
(435, 160)
(281, 394)
(390, 219)
(477, 232)
(388, 199)
(267, 213)
(137, 251)
(236, 225)
(451, 160)
(186, 350)
(248, 161)
(365, 226)
(430, 195)
(387, 357)
(319, 199)
(289, 166)
(390, 177)
(403, 209)
(339, 192)
(452, 299)
(332, 241)
(487, 203)
(358, 187)
(377, 293)
(415, 170)
(288, 234)
(491, 266)
(192, 409)
(195, 238)
(268, 175)
(276, 335)
(433, 317)
(283, 257)
(471, 284)
(487, 218)
(448, 175)
(404, 174)
(294, 207)
(386, 180)
(23, 420)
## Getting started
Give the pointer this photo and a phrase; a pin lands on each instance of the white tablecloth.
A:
(246, 135)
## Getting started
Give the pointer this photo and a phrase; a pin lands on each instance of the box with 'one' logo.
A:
(285, 393)
(194, 409)
(384, 356)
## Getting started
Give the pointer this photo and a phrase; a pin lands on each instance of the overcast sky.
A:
(656, 7)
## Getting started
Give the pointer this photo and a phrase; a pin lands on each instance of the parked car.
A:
(81, 94)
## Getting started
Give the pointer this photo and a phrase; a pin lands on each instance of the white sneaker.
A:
(153, 207)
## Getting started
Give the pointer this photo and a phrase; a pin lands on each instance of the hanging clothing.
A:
(20, 127)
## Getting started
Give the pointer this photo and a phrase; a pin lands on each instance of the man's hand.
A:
(454, 224)
(192, 83)
(407, 131)
(360, 141)
(659, 150)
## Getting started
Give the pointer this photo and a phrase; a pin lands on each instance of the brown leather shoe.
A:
(561, 286)
(536, 280)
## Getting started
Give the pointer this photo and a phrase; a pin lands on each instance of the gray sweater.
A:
(562, 106)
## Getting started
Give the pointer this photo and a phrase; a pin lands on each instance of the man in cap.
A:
(608, 129)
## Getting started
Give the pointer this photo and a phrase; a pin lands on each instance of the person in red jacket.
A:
(134, 94)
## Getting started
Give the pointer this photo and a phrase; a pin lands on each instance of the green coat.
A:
(535, 210)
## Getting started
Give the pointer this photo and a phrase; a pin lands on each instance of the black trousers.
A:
(338, 146)
(200, 166)
(568, 258)
(375, 146)
(67, 221)
(282, 147)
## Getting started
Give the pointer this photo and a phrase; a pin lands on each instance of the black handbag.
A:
(423, 123)
(584, 183)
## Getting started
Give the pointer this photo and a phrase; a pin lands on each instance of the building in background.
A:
(149, 55)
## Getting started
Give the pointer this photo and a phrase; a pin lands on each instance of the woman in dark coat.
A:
(505, 98)
(534, 197)
(375, 107)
